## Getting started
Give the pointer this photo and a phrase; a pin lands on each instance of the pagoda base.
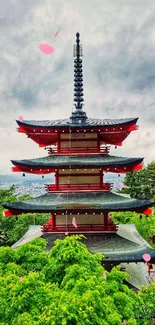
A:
(126, 247)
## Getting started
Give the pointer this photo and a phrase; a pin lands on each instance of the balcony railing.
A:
(82, 187)
(80, 228)
(103, 150)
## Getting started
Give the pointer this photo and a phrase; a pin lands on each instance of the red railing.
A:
(70, 187)
(80, 228)
(103, 150)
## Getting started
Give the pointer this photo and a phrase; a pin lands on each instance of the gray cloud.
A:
(26, 97)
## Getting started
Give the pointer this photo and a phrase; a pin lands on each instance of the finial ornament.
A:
(78, 114)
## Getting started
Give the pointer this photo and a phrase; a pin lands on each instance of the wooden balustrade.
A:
(103, 150)
(80, 228)
(77, 187)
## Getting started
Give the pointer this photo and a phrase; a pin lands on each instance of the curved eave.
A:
(130, 257)
(66, 124)
(46, 133)
(75, 201)
(48, 164)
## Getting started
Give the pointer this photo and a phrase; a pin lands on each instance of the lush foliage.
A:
(65, 287)
(141, 186)
(13, 228)
(145, 224)
(141, 183)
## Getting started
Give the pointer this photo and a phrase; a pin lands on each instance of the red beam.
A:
(16, 169)
(10, 213)
(148, 211)
(30, 170)
(132, 127)
(118, 144)
(138, 167)
(48, 170)
(21, 130)
(7, 213)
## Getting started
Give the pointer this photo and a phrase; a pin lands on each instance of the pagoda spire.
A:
(78, 115)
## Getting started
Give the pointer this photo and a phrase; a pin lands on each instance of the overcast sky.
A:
(118, 38)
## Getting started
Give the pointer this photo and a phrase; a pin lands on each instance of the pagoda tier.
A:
(77, 202)
(125, 246)
(51, 163)
(90, 210)
(67, 136)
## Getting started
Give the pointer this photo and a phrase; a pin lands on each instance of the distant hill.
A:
(27, 178)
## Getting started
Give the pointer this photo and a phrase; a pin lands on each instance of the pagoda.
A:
(80, 201)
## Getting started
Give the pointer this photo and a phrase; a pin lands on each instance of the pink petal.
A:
(146, 257)
(124, 186)
(79, 121)
(45, 48)
(21, 279)
(20, 118)
(56, 34)
(105, 276)
(1, 17)
(74, 222)
(66, 233)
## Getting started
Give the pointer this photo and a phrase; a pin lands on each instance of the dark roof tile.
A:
(68, 122)
(76, 160)
(78, 200)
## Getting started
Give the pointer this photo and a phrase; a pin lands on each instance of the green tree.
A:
(28, 295)
(148, 297)
(145, 224)
(75, 294)
(141, 183)
(68, 252)
(13, 228)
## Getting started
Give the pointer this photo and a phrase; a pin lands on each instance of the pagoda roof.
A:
(90, 122)
(84, 201)
(77, 160)
(124, 246)
(139, 276)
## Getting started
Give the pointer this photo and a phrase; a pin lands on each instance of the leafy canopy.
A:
(13, 228)
(65, 286)
(141, 183)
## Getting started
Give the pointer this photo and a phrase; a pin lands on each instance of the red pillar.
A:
(98, 142)
(106, 220)
(58, 143)
(51, 223)
(101, 178)
(52, 220)
(56, 180)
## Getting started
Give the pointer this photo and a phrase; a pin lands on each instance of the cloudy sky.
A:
(118, 38)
